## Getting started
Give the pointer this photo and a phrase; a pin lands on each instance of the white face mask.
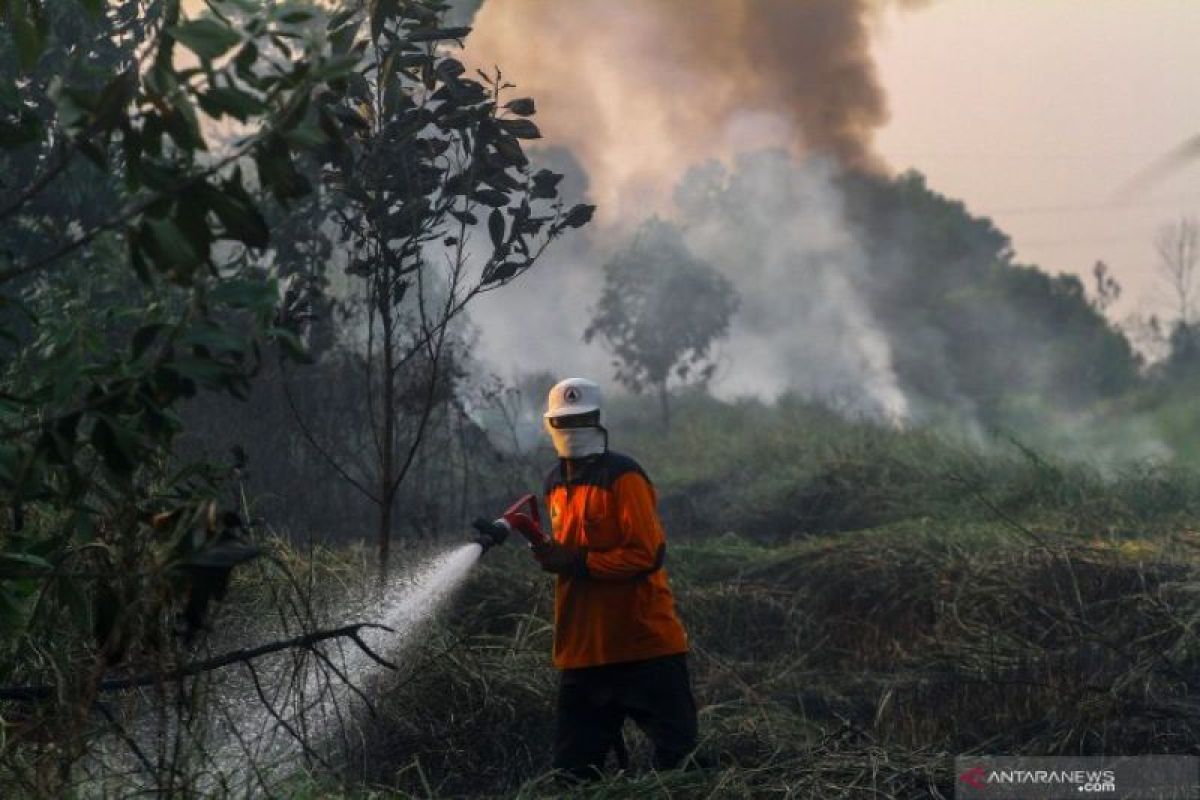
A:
(577, 442)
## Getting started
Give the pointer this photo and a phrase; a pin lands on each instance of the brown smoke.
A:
(639, 90)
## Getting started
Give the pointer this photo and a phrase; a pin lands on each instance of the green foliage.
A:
(661, 311)
(129, 240)
(967, 325)
(434, 154)
(1182, 363)
(434, 202)
(966, 331)
(775, 472)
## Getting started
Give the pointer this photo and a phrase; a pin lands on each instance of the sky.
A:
(1037, 112)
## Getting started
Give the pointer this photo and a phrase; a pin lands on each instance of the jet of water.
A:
(409, 602)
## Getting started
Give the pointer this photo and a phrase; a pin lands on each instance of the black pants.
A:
(593, 703)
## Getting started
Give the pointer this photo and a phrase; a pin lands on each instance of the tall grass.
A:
(864, 603)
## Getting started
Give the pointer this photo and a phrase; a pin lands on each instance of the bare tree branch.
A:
(352, 632)
(312, 440)
(1178, 248)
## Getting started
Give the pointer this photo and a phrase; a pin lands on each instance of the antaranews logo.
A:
(1070, 777)
(975, 777)
(1084, 781)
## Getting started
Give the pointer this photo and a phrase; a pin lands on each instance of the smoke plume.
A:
(640, 90)
(639, 95)
(778, 230)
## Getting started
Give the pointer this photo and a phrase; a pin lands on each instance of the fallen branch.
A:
(243, 656)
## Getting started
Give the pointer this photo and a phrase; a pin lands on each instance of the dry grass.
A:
(856, 665)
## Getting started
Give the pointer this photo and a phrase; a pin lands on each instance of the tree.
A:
(1183, 353)
(1178, 248)
(434, 202)
(129, 282)
(661, 311)
(971, 330)
(1106, 289)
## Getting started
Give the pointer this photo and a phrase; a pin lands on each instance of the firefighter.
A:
(620, 648)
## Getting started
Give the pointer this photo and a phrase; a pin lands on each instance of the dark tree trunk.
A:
(388, 456)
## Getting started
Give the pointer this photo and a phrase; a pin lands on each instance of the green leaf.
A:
(12, 612)
(135, 239)
(291, 344)
(201, 370)
(578, 216)
(10, 98)
(28, 31)
(115, 99)
(504, 271)
(509, 149)
(191, 217)
(213, 338)
(341, 18)
(239, 217)
(246, 6)
(206, 38)
(295, 17)
(491, 197)
(351, 118)
(71, 104)
(278, 172)
(522, 106)
(25, 130)
(520, 128)
(437, 34)
(247, 294)
(116, 445)
(93, 7)
(168, 247)
(496, 228)
(545, 184)
(380, 11)
(11, 457)
(21, 564)
(144, 337)
(243, 62)
(342, 39)
(236, 103)
(183, 126)
(306, 137)
(337, 67)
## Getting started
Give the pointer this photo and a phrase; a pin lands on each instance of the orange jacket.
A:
(622, 608)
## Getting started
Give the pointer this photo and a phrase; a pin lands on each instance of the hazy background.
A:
(1034, 114)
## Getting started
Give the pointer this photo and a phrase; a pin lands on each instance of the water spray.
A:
(410, 601)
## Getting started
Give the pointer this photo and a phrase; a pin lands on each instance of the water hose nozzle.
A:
(521, 517)
(490, 533)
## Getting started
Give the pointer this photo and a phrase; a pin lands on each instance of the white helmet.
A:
(572, 396)
(575, 438)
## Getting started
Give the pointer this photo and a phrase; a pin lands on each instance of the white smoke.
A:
(778, 232)
(640, 93)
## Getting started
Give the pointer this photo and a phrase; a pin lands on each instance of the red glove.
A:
(527, 527)
(561, 560)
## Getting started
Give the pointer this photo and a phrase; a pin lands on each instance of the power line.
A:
(1108, 207)
(1082, 242)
